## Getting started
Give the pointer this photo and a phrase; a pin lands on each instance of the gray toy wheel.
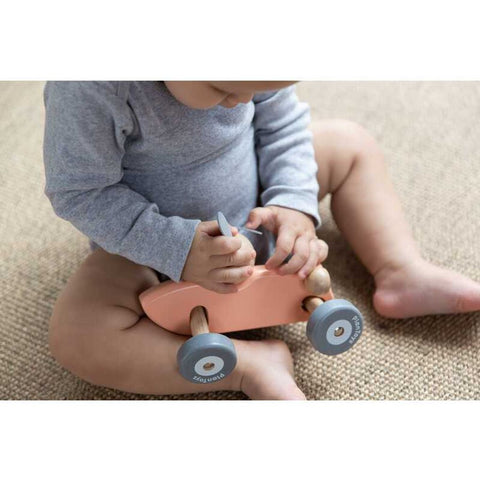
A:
(334, 327)
(206, 358)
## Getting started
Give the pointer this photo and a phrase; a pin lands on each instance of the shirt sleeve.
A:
(86, 126)
(287, 166)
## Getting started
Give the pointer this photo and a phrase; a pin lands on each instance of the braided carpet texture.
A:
(430, 136)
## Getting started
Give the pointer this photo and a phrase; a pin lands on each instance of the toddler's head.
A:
(206, 94)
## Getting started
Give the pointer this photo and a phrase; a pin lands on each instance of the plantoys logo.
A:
(214, 378)
(357, 330)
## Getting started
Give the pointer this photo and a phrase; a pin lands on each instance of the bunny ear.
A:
(225, 228)
(223, 225)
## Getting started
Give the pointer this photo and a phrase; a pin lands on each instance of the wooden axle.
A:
(311, 303)
(198, 321)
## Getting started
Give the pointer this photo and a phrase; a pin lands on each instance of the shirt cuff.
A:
(176, 249)
(163, 246)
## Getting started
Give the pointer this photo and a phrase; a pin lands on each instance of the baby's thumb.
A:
(258, 216)
(210, 227)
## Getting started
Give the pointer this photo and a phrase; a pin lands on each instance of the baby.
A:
(142, 168)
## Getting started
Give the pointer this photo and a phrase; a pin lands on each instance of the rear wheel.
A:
(206, 358)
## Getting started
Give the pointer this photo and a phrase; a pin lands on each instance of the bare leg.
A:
(369, 214)
(100, 333)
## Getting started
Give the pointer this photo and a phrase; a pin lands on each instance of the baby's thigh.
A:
(101, 297)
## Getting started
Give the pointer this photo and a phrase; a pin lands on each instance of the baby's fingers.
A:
(223, 245)
(318, 253)
(230, 275)
(285, 242)
(301, 254)
(240, 258)
(221, 287)
(323, 250)
(312, 261)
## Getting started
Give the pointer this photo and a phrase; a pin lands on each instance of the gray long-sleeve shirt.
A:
(136, 171)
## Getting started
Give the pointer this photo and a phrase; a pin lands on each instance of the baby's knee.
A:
(347, 141)
(362, 142)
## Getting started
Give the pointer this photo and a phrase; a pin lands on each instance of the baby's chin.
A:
(201, 104)
(206, 106)
(227, 105)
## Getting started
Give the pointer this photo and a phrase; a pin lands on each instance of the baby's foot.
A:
(267, 372)
(421, 288)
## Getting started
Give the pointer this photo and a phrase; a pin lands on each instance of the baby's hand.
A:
(217, 262)
(295, 234)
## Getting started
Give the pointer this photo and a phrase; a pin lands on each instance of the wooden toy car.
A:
(265, 299)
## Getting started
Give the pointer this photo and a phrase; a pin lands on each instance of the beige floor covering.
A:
(430, 133)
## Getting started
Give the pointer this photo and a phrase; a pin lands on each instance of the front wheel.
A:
(334, 327)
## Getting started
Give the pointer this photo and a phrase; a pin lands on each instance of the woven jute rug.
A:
(430, 136)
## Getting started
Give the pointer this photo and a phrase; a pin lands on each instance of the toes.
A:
(387, 304)
(461, 304)
(469, 302)
(296, 394)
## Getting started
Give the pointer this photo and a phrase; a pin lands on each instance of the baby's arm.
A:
(87, 124)
(287, 170)
(287, 166)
